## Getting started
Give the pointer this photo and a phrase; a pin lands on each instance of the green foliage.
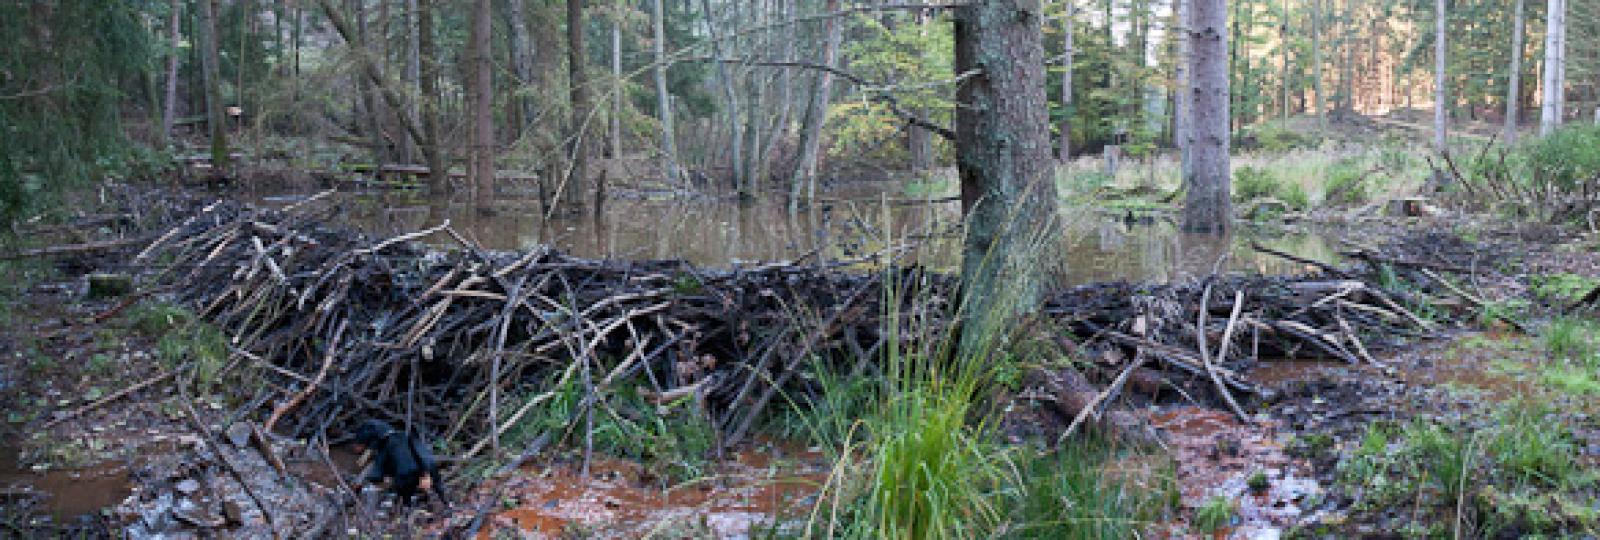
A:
(675, 438)
(1216, 513)
(1347, 183)
(1562, 288)
(198, 343)
(1086, 490)
(1530, 450)
(1253, 183)
(1570, 338)
(1250, 183)
(914, 56)
(1441, 455)
(1537, 177)
(1279, 137)
(64, 69)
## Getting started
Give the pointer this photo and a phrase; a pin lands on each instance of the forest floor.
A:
(1487, 429)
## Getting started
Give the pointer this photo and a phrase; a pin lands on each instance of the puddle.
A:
(1097, 246)
(746, 497)
(1278, 373)
(1217, 455)
(62, 494)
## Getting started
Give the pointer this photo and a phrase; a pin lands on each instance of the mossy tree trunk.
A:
(1003, 156)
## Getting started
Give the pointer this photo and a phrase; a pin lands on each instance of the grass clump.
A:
(1088, 490)
(1216, 513)
(1347, 183)
(1562, 288)
(1570, 338)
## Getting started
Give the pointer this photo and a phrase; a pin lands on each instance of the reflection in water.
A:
(1094, 246)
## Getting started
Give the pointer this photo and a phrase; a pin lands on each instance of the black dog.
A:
(404, 460)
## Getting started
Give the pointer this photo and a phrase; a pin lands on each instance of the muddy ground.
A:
(1335, 450)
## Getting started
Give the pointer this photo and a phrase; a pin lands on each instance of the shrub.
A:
(1254, 183)
(1347, 184)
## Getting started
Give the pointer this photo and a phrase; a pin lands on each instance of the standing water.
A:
(1096, 245)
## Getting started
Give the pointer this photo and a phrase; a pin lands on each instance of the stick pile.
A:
(459, 344)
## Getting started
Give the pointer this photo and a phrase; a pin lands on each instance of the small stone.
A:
(239, 434)
(188, 486)
(232, 512)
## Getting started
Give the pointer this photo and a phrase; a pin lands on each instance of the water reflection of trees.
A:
(1094, 246)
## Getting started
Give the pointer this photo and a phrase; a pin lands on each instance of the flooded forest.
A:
(684, 269)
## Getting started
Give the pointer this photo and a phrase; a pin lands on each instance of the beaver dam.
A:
(499, 356)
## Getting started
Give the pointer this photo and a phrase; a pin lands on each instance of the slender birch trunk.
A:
(1554, 62)
(805, 171)
(669, 146)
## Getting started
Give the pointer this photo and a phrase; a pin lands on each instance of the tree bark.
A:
(521, 63)
(576, 186)
(1554, 67)
(669, 145)
(1316, 62)
(169, 108)
(1183, 99)
(209, 71)
(480, 173)
(1064, 148)
(614, 127)
(1207, 207)
(428, 87)
(1441, 51)
(805, 169)
(1513, 86)
(373, 112)
(1003, 159)
(730, 103)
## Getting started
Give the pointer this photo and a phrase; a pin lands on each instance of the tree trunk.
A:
(615, 126)
(1183, 99)
(373, 114)
(413, 73)
(521, 63)
(1283, 49)
(780, 126)
(1554, 67)
(616, 79)
(573, 190)
(1003, 158)
(1316, 62)
(1440, 65)
(805, 169)
(1207, 207)
(730, 102)
(169, 108)
(480, 172)
(1513, 86)
(209, 71)
(1064, 148)
(669, 146)
(428, 87)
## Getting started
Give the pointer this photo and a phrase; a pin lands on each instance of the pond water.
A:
(1097, 244)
